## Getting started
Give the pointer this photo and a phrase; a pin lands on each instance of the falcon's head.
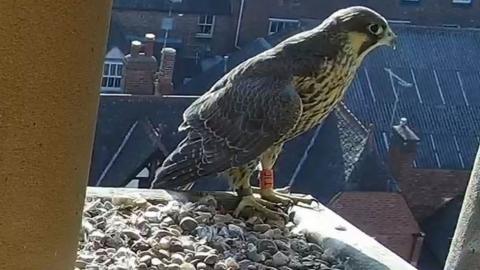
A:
(364, 28)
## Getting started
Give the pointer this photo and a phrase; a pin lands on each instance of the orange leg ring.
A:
(266, 179)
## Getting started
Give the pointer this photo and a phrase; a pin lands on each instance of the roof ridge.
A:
(436, 27)
(351, 118)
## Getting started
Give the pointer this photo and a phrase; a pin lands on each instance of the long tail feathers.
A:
(181, 167)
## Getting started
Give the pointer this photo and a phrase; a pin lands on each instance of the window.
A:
(399, 21)
(112, 75)
(462, 1)
(277, 25)
(205, 26)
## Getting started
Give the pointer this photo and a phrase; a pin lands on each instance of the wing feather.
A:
(232, 124)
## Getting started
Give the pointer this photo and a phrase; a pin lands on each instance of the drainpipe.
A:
(52, 61)
(416, 248)
(239, 23)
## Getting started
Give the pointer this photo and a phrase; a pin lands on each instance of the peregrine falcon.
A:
(244, 120)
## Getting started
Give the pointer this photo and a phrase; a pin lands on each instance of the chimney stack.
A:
(139, 69)
(149, 44)
(403, 148)
(164, 81)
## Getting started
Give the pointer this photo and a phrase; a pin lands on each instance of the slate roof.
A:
(439, 94)
(117, 37)
(336, 156)
(211, 7)
(117, 114)
(442, 104)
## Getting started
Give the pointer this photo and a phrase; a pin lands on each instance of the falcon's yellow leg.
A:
(266, 179)
(240, 178)
(268, 193)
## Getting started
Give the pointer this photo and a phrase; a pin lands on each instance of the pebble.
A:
(299, 245)
(177, 258)
(231, 264)
(261, 228)
(128, 234)
(173, 266)
(132, 234)
(187, 266)
(220, 266)
(201, 266)
(235, 230)
(267, 245)
(280, 259)
(222, 218)
(211, 259)
(188, 224)
(252, 253)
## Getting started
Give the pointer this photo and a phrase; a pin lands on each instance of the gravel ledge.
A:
(143, 229)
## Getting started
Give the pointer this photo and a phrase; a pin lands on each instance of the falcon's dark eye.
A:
(375, 29)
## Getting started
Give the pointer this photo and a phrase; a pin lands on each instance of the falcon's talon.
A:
(284, 190)
(261, 206)
(274, 195)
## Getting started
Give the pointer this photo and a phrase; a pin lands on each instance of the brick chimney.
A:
(139, 70)
(403, 148)
(164, 80)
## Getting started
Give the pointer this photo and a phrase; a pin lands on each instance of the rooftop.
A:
(382, 215)
(376, 213)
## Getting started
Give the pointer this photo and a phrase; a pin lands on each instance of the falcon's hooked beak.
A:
(390, 38)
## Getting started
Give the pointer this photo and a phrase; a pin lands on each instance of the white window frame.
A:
(279, 20)
(116, 76)
(203, 22)
(462, 1)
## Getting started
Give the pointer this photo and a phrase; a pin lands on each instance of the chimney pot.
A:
(165, 73)
(149, 44)
(135, 48)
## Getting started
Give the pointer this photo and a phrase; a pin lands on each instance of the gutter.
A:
(239, 23)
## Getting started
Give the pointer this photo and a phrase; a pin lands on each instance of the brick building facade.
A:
(261, 17)
(186, 34)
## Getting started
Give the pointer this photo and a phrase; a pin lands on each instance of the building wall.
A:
(424, 12)
(138, 22)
